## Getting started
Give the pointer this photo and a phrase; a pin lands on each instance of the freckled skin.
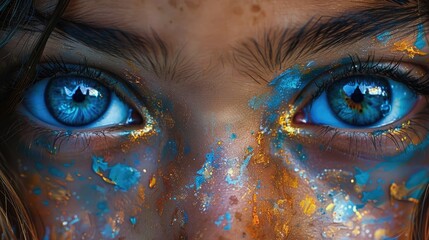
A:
(276, 196)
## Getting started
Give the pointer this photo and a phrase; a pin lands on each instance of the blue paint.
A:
(418, 179)
(226, 219)
(170, 150)
(219, 220)
(233, 136)
(243, 167)
(185, 217)
(133, 220)
(202, 173)
(257, 102)
(258, 184)
(421, 38)
(45, 203)
(377, 195)
(37, 191)
(108, 232)
(124, 176)
(384, 37)
(56, 172)
(70, 164)
(103, 207)
(361, 177)
(98, 164)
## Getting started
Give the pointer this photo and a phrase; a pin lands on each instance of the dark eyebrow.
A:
(260, 58)
(147, 49)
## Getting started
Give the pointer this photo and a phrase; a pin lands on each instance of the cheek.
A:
(91, 191)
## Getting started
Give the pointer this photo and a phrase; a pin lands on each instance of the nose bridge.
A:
(239, 186)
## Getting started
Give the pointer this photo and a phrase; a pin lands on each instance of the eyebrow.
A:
(147, 49)
(256, 58)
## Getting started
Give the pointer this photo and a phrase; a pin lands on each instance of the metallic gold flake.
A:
(308, 205)
(401, 193)
(285, 122)
(408, 48)
(380, 234)
(152, 182)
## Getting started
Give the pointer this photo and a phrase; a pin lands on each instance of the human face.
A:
(224, 142)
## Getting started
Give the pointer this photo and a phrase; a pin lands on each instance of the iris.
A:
(360, 100)
(76, 100)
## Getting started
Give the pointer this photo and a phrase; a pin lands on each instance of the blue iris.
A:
(75, 100)
(360, 100)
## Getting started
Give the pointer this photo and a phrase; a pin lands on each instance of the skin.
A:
(276, 196)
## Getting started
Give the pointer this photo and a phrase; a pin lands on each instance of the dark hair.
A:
(16, 220)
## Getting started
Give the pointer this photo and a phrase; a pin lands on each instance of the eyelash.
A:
(401, 135)
(51, 140)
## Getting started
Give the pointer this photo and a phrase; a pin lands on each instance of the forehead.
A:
(213, 19)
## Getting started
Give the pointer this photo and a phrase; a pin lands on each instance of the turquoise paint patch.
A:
(56, 172)
(124, 177)
(37, 191)
(133, 220)
(421, 37)
(224, 219)
(202, 173)
(233, 136)
(361, 177)
(238, 179)
(377, 196)
(420, 178)
(384, 37)
(257, 102)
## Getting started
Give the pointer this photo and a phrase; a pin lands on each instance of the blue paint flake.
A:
(124, 177)
(204, 173)
(37, 191)
(421, 38)
(238, 179)
(225, 220)
(361, 177)
(56, 172)
(233, 136)
(133, 220)
(377, 196)
(384, 37)
(419, 178)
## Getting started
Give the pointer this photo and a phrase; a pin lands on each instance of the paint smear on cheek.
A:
(120, 175)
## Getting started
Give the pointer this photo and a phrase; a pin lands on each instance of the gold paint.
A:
(285, 122)
(408, 48)
(260, 158)
(380, 234)
(69, 177)
(255, 217)
(152, 182)
(106, 179)
(401, 193)
(308, 205)
(330, 207)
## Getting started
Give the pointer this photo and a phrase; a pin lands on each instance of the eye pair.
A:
(84, 98)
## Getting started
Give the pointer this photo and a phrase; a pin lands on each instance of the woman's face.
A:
(226, 120)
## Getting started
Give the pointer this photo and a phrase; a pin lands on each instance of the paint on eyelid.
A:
(384, 37)
(421, 37)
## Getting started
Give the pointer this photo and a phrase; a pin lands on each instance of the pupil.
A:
(78, 96)
(357, 96)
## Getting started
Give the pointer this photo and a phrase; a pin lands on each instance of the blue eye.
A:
(361, 101)
(74, 101)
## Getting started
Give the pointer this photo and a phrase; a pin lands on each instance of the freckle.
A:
(238, 216)
(237, 10)
(173, 3)
(233, 200)
(192, 4)
(255, 8)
